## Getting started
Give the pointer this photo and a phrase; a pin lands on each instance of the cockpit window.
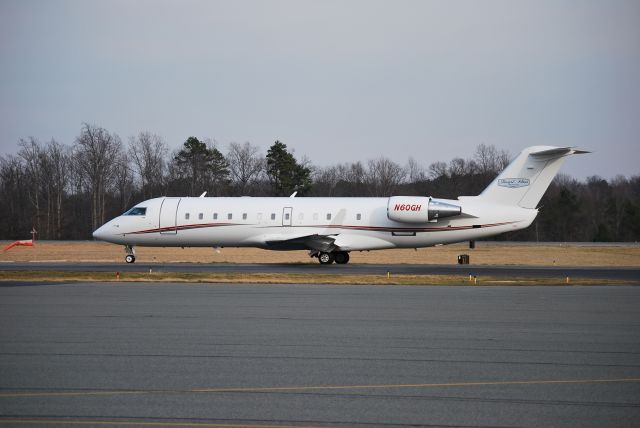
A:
(136, 211)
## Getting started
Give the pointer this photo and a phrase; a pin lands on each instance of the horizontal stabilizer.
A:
(558, 151)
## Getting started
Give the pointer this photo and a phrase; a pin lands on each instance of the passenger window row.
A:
(142, 211)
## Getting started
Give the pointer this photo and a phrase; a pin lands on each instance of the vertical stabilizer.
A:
(525, 180)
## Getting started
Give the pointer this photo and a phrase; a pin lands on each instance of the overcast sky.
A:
(334, 80)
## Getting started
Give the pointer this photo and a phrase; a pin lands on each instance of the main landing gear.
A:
(326, 258)
(131, 254)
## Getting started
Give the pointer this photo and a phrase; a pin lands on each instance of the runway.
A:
(628, 274)
(140, 354)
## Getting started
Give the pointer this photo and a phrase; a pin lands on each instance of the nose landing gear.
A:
(131, 254)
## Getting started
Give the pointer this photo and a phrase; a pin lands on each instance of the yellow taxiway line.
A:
(151, 422)
(311, 388)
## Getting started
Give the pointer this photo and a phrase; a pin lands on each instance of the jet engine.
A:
(419, 209)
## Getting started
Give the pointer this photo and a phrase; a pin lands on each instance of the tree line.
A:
(67, 191)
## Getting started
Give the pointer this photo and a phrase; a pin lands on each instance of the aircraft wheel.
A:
(342, 257)
(325, 258)
(129, 258)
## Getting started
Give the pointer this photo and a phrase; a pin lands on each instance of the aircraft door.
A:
(168, 216)
(287, 214)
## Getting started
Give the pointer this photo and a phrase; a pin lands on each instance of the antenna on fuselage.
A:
(202, 196)
(293, 195)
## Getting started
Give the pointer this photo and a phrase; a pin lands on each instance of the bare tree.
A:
(504, 159)
(353, 176)
(15, 218)
(384, 176)
(31, 153)
(147, 152)
(345, 179)
(58, 161)
(458, 167)
(96, 155)
(122, 181)
(351, 172)
(437, 170)
(490, 161)
(619, 198)
(458, 175)
(415, 171)
(245, 166)
(325, 180)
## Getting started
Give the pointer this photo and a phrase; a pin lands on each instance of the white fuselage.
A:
(332, 227)
(352, 224)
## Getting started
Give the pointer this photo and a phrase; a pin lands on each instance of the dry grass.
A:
(485, 253)
(279, 278)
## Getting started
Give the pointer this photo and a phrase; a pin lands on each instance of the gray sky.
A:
(334, 80)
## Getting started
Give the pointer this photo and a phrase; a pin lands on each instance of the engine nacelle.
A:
(419, 209)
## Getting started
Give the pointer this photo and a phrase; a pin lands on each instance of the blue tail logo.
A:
(513, 183)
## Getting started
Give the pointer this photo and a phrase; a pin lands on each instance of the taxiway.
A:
(139, 354)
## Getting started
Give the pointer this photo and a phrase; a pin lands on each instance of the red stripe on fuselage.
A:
(327, 226)
(183, 227)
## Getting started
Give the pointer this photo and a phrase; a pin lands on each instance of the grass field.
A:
(485, 253)
(286, 278)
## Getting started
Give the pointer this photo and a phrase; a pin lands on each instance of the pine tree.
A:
(204, 168)
(285, 173)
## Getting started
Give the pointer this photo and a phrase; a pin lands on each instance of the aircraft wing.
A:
(338, 241)
(305, 242)
(323, 242)
(333, 238)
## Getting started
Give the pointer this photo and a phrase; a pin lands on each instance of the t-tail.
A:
(524, 181)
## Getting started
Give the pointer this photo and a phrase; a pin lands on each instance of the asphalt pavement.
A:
(134, 354)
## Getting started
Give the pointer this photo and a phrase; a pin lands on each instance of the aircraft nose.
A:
(100, 233)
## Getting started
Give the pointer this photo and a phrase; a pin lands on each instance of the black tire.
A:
(325, 258)
(129, 258)
(342, 258)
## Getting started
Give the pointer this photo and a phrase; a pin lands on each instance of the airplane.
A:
(331, 228)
